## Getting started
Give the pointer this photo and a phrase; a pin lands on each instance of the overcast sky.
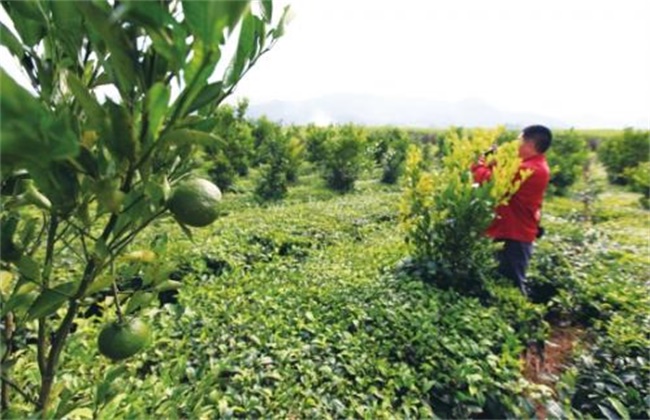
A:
(582, 61)
(570, 59)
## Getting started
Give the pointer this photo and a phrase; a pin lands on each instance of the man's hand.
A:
(491, 150)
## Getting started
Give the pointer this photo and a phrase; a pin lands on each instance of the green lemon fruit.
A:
(119, 341)
(194, 202)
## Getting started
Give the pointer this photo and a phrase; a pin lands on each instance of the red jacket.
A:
(519, 219)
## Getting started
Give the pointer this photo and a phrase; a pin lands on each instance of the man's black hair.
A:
(541, 136)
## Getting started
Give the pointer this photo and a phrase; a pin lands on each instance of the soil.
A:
(546, 368)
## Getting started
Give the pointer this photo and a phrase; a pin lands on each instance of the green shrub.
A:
(627, 150)
(273, 183)
(221, 171)
(639, 179)
(265, 133)
(567, 157)
(295, 155)
(344, 157)
(231, 155)
(315, 140)
(279, 162)
(393, 145)
(445, 213)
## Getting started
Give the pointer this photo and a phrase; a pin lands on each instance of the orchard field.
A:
(163, 255)
(306, 307)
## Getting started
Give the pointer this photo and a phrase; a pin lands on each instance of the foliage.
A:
(574, 274)
(295, 153)
(344, 157)
(614, 380)
(389, 150)
(102, 164)
(309, 319)
(273, 183)
(587, 276)
(627, 150)
(445, 213)
(566, 158)
(281, 154)
(221, 171)
(266, 133)
(306, 309)
(639, 181)
(315, 139)
(232, 154)
(526, 317)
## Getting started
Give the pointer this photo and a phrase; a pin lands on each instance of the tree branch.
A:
(18, 390)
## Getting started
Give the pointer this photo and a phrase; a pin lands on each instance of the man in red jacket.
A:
(517, 223)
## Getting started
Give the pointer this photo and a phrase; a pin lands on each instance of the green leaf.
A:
(29, 231)
(155, 192)
(6, 284)
(102, 79)
(267, 10)
(168, 285)
(123, 56)
(9, 251)
(152, 14)
(33, 141)
(619, 407)
(260, 36)
(196, 65)
(69, 27)
(50, 300)
(138, 300)
(280, 28)
(24, 294)
(29, 268)
(199, 123)
(59, 182)
(105, 389)
(607, 412)
(29, 9)
(101, 250)
(80, 413)
(156, 103)
(196, 74)
(554, 410)
(208, 19)
(28, 20)
(88, 102)
(11, 42)
(210, 94)
(19, 136)
(161, 27)
(121, 140)
(100, 283)
(244, 48)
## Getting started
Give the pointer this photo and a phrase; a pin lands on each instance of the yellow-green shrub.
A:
(445, 213)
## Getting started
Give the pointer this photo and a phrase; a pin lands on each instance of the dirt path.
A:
(546, 369)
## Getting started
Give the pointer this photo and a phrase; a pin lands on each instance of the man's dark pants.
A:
(513, 261)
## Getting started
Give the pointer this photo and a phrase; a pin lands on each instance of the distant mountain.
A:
(377, 110)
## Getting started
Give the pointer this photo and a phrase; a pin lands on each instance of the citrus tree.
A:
(98, 148)
(345, 156)
(626, 150)
(445, 213)
(567, 158)
(232, 156)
